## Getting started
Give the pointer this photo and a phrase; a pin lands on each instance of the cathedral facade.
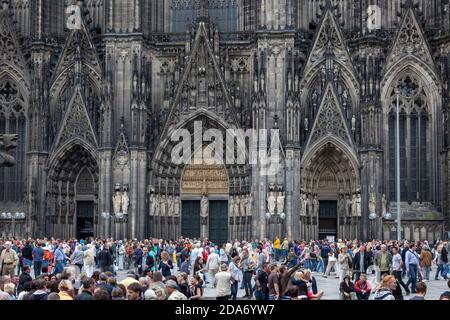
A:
(96, 89)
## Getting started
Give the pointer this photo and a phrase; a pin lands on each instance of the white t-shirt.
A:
(223, 284)
(396, 260)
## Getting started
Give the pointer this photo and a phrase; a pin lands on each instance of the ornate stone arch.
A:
(348, 153)
(165, 176)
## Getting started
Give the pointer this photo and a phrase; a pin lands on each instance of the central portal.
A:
(204, 195)
(330, 183)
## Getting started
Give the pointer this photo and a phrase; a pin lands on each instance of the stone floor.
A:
(330, 286)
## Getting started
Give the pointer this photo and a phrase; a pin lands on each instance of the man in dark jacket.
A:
(105, 259)
(146, 263)
(360, 262)
(24, 278)
(88, 290)
(27, 254)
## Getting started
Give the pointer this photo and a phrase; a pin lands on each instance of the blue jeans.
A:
(277, 254)
(234, 290)
(59, 267)
(27, 262)
(412, 277)
(37, 268)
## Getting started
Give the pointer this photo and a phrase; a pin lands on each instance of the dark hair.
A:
(96, 275)
(123, 288)
(117, 293)
(448, 283)
(27, 286)
(40, 284)
(157, 276)
(421, 287)
(135, 287)
(87, 283)
(198, 278)
(445, 296)
(101, 294)
(26, 268)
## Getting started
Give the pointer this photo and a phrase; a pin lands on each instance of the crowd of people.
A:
(55, 269)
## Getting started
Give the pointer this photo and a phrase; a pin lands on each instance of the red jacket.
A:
(359, 286)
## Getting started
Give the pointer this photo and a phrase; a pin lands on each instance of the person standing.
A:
(360, 262)
(397, 267)
(426, 259)
(38, 257)
(60, 259)
(89, 260)
(165, 265)
(222, 283)
(344, 261)
(8, 260)
(77, 258)
(235, 272)
(105, 259)
(274, 283)
(331, 264)
(247, 267)
(27, 254)
(260, 260)
(262, 280)
(444, 259)
(277, 248)
(383, 260)
(212, 265)
(412, 265)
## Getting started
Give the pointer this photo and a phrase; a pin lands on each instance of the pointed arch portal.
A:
(205, 179)
(330, 180)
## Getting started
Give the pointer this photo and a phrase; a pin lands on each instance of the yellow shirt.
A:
(276, 243)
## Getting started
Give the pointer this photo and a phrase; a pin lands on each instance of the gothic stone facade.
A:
(94, 107)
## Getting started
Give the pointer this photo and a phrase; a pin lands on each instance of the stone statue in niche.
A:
(354, 214)
(316, 206)
(170, 204)
(157, 205)
(117, 200)
(237, 203)
(163, 205)
(177, 206)
(358, 205)
(125, 200)
(231, 206)
(280, 203)
(204, 206)
(249, 205)
(243, 205)
(303, 203)
(271, 203)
